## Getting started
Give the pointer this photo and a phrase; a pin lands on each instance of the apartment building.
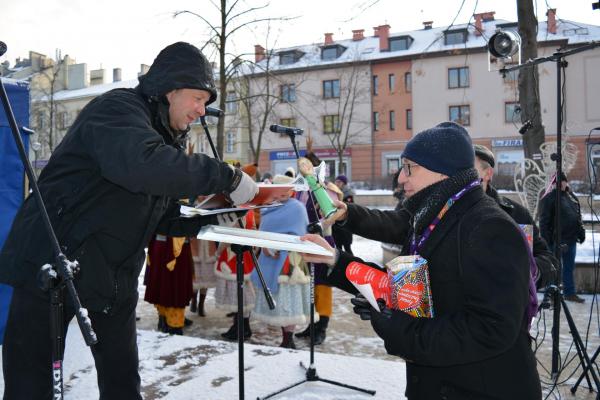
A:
(422, 77)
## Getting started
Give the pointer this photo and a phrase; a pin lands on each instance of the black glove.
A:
(363, 308)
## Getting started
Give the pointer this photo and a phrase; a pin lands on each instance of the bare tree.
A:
(529, 91)
(45, 110)
(349, 125)
(233, 18)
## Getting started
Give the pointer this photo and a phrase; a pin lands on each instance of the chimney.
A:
(551, 14)
(427, 24)
(384, 34)
(478, 24)
(328, 38)
(259, 53)
(487, 16)
(143, 69)
(376, 31)
(358, 34)
(116, 74)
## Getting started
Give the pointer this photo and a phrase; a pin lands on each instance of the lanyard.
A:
(414, 246)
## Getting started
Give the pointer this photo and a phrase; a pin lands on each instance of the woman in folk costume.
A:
(226, 290)
(285, 273)
(203, 255)
(169, 281)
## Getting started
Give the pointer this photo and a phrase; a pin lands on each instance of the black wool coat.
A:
(477, 345)
(109, 185)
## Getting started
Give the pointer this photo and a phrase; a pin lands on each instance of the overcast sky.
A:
(127, 33)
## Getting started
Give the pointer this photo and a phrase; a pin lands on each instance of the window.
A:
(400, 43)
(375, 85)
(460, 114)
(393, 165)
(392, 82)
(408, 82)
(331, 89)
(41, 121)
(409, 119)
(511, 77)
(230, 142)
(231, 104)
(392, 120)
(375, 121)
(289, 57)
(455, 37)
(288, 93)
(332, 52)
(512, 112)
(331, 124)
(63, 120)
(458, 77)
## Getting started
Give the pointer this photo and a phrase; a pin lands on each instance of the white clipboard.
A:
(269, 240)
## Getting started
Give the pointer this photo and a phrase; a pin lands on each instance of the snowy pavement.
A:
(200, 365)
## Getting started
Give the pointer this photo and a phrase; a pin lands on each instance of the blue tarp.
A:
(12, 174)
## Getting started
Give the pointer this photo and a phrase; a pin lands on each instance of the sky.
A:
(126, 33)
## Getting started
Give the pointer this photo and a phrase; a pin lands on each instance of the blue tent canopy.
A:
(12, 173)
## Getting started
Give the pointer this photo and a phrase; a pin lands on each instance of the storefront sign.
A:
(321, 153)
(507, 143)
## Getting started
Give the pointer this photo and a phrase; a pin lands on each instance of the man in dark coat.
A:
(544, 259)
(571, 232)
(109, 185)
(477, 345)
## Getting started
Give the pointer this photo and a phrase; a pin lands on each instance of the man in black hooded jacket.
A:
(111, 183)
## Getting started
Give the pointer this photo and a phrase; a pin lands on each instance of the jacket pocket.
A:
(96, 280)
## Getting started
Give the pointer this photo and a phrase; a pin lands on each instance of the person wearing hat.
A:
(544, 259)
(571, 232)
(482, 292)
(108, 187)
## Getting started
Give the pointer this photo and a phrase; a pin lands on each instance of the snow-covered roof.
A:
(424, 41)
(92, 91)
(17, 82)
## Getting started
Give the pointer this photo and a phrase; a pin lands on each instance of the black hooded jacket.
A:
(113, 182)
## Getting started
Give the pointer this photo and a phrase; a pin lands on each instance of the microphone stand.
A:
(56, 277)
(239, 251)
(311, 370)
(555, 289)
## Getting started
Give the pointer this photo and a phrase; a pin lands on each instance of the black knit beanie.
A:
(446, 148)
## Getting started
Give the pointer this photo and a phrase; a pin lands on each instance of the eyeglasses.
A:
(407, 168)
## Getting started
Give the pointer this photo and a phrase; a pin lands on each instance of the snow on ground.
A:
(201, 366)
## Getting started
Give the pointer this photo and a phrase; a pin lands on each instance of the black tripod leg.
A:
(583, 357)
(584, 373)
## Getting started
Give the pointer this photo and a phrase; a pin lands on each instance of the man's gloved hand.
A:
(230, 218)
(581, 235)
(243, 188)
(363, 308)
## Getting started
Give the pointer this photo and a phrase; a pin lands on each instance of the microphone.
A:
(526, 126)
(286, 130)
(213, 112)
(3, 48)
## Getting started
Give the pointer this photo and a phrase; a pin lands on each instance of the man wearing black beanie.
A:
(481, 287)
(113, 181)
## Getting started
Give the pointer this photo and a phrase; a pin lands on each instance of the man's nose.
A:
(402, 178)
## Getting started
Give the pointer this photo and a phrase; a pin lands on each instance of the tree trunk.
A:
(529, 91)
